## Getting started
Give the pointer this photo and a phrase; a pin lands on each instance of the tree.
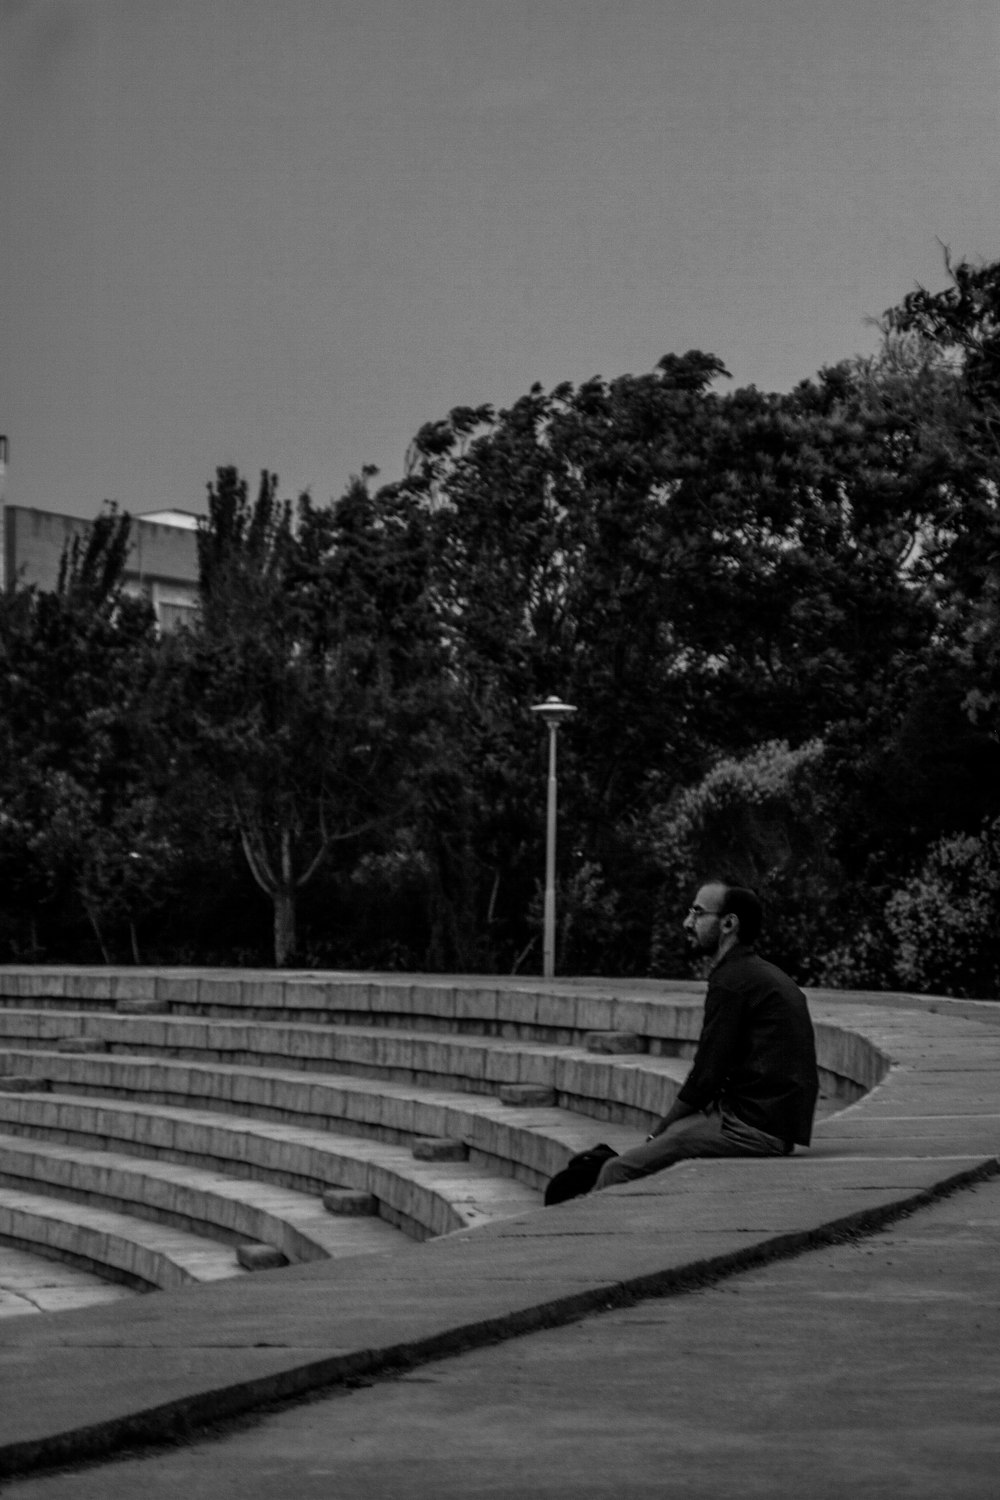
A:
(704, 575)
(78, 739)
(962, 325)
(290, 679)
(557, 545)
(697, 572)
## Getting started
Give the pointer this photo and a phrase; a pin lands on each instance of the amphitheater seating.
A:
(162, 1125)
(153, 1129)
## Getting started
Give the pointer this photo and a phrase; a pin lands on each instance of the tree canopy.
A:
(778, 615)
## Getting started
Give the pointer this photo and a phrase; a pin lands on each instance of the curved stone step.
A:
(530, 1143)
(559, 1012)
(666, 1013)
(628, 1087)
(423, 1198)
(155, 1254)
(191, 1198)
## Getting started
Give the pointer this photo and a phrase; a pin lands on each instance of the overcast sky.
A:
(286, 233)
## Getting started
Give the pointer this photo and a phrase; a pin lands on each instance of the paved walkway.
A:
(88, 1382)
(869, 1370)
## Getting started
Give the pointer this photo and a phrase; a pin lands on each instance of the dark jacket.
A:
(756, 1054)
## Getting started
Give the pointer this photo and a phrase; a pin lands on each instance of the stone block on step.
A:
(613, 1043)
(439, 1148)
(349, 1201)
(526, 1095)
(260, 1257)
(24, 1083)
(141, 1006)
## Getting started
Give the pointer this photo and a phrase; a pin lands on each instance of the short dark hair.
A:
(739, 902)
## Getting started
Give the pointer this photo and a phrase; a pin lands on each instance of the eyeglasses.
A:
(699, 911)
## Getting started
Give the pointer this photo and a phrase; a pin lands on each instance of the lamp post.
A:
(552, 711)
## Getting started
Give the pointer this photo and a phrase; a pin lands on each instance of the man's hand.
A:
(677, 1111)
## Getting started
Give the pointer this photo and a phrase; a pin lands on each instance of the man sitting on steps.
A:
(752, 1087)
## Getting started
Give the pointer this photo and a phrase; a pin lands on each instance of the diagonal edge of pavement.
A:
(84, 1385)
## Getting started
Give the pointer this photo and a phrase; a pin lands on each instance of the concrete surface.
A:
(86, 1383)
(869, 1370)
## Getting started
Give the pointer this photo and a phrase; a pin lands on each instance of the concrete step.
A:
(191, 1198)
(667, 1014)
(629, 1087)
(155, 1255)
(556, 1011)
(424, 1199)
(529, 1143)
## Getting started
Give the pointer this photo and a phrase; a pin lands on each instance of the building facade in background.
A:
(162, 565)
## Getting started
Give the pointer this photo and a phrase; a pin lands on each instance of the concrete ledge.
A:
(316, 1327)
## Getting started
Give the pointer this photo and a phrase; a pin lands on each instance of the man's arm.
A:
(712, 1062)
(718, 1048)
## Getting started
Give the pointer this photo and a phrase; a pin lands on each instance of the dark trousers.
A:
(713, 1132)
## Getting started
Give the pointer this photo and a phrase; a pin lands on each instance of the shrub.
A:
(756, 821)
(944, 921)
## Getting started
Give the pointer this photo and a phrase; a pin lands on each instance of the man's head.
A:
(722, 915)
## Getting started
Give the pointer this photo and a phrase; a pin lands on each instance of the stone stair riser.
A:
(533, 1148)
(419, 1208)
(160, 1202)
(668, 1026)
(632, 1091)
(103, 1240)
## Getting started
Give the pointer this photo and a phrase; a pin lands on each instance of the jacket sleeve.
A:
(718, 1049)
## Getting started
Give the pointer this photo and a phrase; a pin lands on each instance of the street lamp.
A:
(553, 711)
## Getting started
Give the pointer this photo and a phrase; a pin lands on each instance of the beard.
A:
(699, 952)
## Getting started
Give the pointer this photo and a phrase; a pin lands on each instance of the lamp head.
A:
(553, 711)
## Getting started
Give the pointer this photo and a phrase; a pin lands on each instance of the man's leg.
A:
(704, 1134)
